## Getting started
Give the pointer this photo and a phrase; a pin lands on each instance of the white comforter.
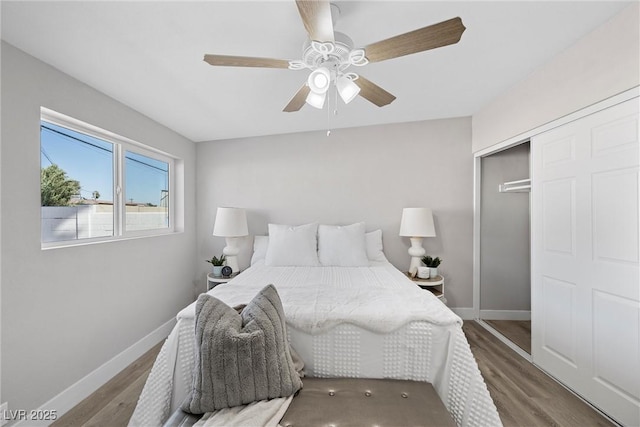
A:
(316, 299)
(418, 337)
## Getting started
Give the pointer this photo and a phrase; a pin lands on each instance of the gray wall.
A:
(67, 311)
(361, 174)
(504, 233)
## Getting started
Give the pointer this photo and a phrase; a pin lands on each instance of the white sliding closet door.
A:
(585, 258)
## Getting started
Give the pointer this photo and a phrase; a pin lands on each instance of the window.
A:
(98, 186)
(146, 192)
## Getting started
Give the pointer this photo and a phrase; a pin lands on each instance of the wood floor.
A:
(517, 331)
(113, 404)
(523, 394)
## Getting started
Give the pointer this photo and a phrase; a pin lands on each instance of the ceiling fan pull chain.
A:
(329, 114)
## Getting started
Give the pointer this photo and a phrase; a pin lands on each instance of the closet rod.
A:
(520, 186)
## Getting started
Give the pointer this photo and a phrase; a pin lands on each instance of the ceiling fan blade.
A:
(373, 93)
(316, 16)
(298, 99)
(437, 35)
(245, 61)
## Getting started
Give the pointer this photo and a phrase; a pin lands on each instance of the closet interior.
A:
(505, 270)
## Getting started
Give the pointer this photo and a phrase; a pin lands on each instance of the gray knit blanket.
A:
(241, 357)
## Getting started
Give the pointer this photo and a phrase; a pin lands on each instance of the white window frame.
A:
(120, 146)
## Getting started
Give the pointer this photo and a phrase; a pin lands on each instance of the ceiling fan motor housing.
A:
(316, 53)
(338, 55)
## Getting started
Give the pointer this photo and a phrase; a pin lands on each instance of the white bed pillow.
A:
(260, 244)
(375, 251)
(342, 245)
(292, 245)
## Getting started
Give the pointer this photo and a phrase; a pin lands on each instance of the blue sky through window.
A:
(146, 180)
(90, 161)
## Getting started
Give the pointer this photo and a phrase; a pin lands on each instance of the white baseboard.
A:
(77, 392)
(465, 313)
(505, 314)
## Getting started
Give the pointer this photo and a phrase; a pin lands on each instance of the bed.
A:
(362, 321)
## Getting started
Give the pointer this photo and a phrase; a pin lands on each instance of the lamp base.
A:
(417, 252)
(231, 252)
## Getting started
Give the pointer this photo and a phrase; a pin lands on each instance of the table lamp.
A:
(231, 223)
(416, 223)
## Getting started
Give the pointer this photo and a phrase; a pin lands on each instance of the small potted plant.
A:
(433, 264)
(217, 263)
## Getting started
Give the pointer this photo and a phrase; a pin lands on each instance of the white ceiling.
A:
(148, 55)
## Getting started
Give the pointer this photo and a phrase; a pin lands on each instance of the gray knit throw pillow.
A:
(240, 358)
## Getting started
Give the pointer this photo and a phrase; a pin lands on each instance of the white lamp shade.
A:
(230, 222)
(417, 222)
(347, 89)
(316, 99)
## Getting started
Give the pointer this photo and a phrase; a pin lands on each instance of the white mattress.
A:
(367, 322)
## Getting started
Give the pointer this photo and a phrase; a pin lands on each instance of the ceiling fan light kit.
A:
(319, 83)
(316, 99)
(319, 80)
(347, 89)
(328, 54)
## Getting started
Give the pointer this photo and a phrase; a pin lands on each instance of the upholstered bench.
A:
(358, 402)
(366, 402)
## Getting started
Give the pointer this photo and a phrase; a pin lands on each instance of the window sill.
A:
(101, 240)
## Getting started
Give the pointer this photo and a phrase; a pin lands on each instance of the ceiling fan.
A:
(329, 54)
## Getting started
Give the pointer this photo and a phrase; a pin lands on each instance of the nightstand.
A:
(213, 281)
(435, 285)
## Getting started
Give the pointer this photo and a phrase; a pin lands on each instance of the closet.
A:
(579, 230)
